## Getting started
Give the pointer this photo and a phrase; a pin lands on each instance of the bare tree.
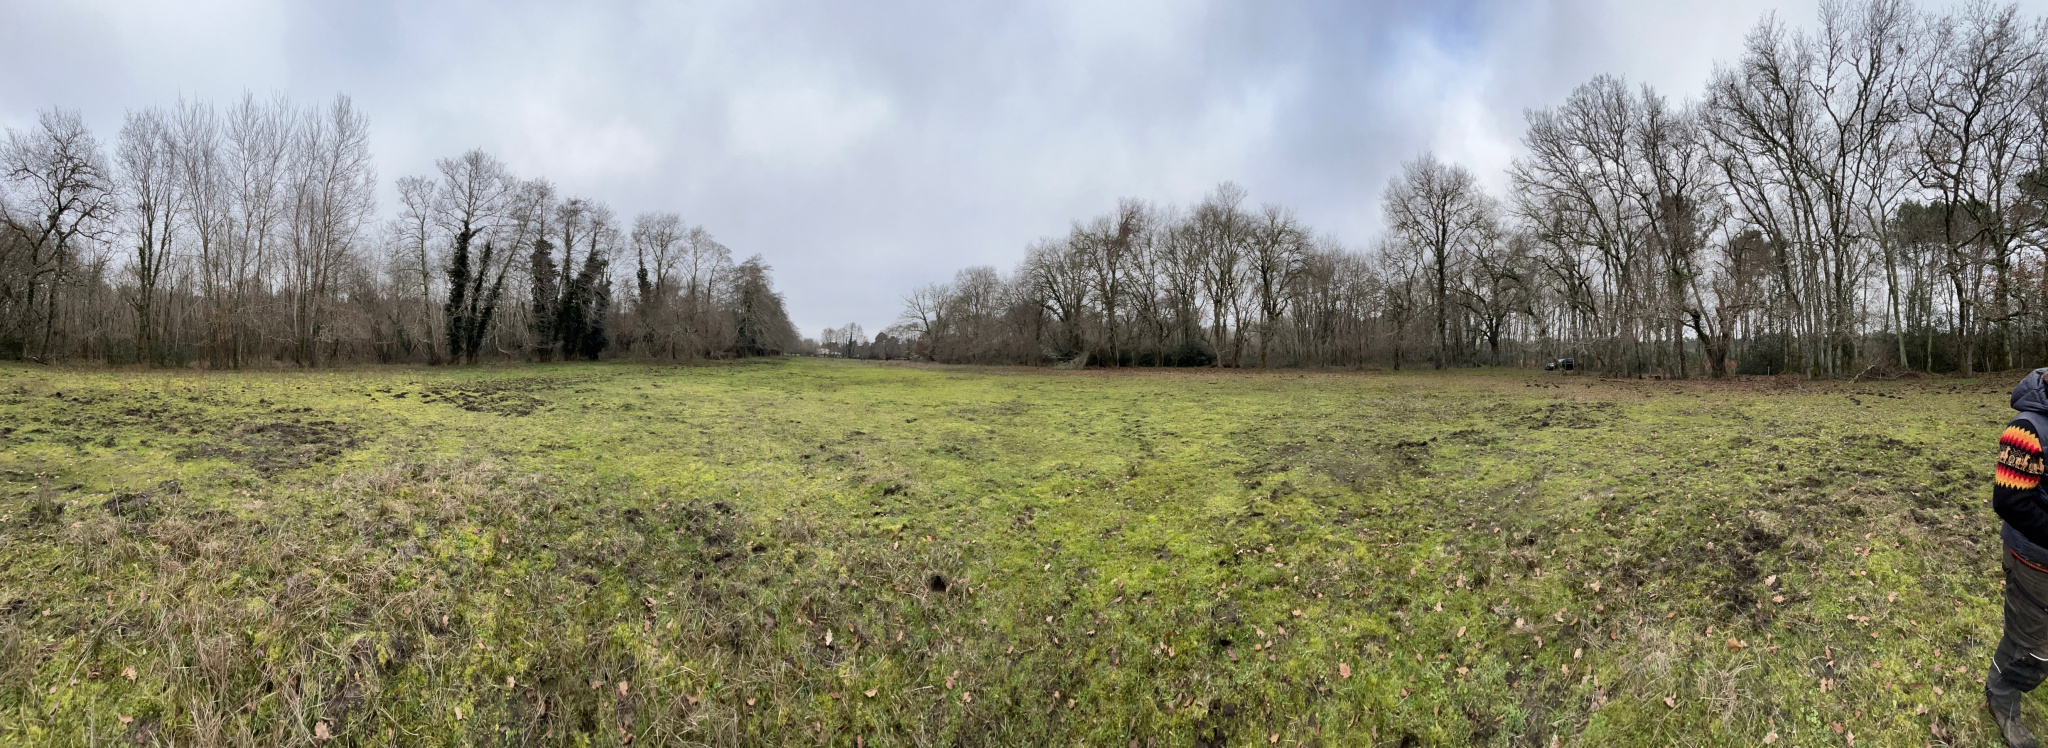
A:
(259, 164)
(204, 180)
(1218, 231)
(705, 266)
(1677, 195)
(1401, 281)
(978, 312)
(412, 235)
(1802, 125)
(1108, 250)
(1719, 303)
(1181, 266)
(1439, 209)
(330, 197)
(153, 198)
(1277, 245)
(1974, 137)
(1059, 279)
(924, 311)
(58, 194)
(658, 246)
(1494, 284)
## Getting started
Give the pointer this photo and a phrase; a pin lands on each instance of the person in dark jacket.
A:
(2021, 660)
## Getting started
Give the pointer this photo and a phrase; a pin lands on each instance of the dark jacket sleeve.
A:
(2016, 487)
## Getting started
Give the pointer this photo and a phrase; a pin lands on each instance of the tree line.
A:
(248, 235)
(1869, 196)
(896, 343)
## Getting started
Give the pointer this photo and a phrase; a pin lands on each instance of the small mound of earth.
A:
(276, 446)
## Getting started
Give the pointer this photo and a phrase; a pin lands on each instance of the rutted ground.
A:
(806, 552)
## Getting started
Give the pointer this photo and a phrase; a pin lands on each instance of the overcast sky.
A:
(865, 148)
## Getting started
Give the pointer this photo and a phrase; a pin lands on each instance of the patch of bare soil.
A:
(141, 505)
(1571, 415)
(513, 397)
(275, 446)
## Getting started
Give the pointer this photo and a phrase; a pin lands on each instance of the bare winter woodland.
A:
(1867, 196)
(250, 234)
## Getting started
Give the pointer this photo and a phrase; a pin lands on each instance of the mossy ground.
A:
(815, 552)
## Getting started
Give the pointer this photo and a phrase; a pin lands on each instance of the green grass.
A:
(752, 554)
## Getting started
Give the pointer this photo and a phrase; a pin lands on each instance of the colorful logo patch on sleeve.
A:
(2019, 459)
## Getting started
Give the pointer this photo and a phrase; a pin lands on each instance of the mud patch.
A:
(143, 505)
(1474, 437)
(1570, 415)
(1881, 444)
(1005, 411)
(1736, 594)
(276, 446)
(1213, 730)
(509, 398)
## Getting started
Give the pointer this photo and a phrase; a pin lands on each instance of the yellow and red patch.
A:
(2019, 459)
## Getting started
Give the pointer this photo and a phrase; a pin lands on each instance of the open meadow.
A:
(811, 552)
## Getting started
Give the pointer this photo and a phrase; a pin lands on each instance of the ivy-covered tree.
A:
(471, 305)
(546, 293)
(586, 302)
(472, 199)
(762, 325)
(459, 277)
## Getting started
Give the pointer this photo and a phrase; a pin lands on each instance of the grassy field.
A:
(826, 553)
